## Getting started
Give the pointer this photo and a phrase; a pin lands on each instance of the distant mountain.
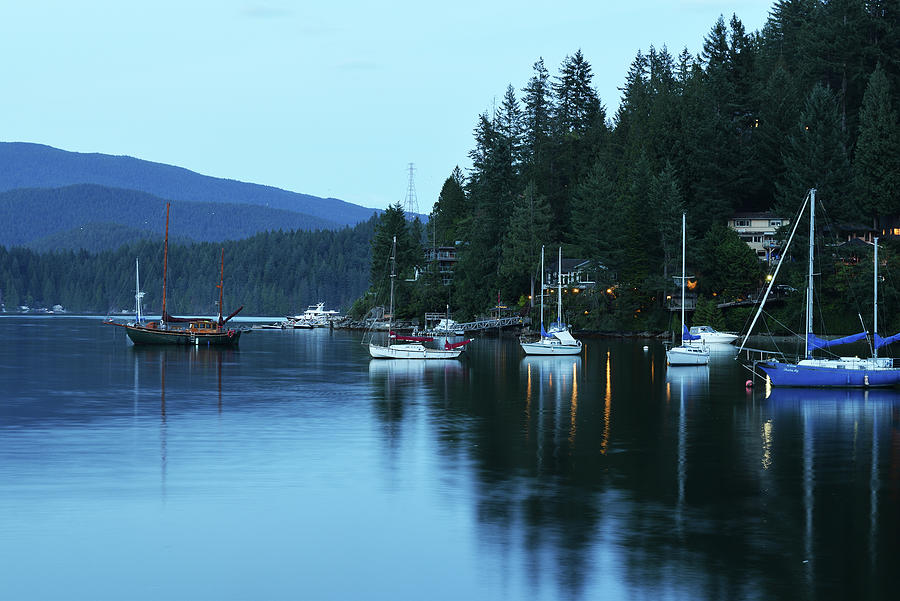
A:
(98, 218)
(25, 165)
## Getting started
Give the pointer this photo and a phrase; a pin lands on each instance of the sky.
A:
(333, 99)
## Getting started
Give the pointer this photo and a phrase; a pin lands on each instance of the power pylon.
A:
(411, 204)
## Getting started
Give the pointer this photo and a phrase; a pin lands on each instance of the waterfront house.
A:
(758, 231)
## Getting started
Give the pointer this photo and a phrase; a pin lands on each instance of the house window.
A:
(775, 223)
(741, 223)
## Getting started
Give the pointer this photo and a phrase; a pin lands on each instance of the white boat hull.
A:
(709, 335)
(718, 338)
(411, 351)
(550, 348)
(687, 355)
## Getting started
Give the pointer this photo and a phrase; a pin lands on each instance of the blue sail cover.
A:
(544, 333)
(880, 342)
(815, 342)
(686, 334)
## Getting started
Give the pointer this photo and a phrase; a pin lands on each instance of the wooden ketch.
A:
(196, 331)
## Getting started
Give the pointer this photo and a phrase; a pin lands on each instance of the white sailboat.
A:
(558, 340)
(686, 354)
(410, 347)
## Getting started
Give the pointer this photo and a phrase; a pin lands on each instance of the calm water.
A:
(298, 468)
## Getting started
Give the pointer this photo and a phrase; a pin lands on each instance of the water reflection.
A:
(683, 381)
(549, 378)
(195, 370)
(839, 427)
(689, 379)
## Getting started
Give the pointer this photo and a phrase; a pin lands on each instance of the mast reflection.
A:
(552, 379)
(688, 380)
(835, 425)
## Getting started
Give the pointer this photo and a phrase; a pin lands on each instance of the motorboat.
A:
(709, 335)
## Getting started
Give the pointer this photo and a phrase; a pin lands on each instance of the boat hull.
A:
(411, 351)
(718, 338)
(550, 348)
(814, 376)
(686, 355)
(139, 335)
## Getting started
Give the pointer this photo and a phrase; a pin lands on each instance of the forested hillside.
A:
(99, 218)
(272, 273)
(24, 165)
(750, 124)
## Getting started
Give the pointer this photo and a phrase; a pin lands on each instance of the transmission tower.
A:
(411, 204)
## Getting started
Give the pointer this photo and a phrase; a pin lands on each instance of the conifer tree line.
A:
(272, 273)
(749, 124)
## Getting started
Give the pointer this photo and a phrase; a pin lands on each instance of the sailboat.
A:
(686, 354)
(197, 331)
(828, 372)
(558, 340)
(410, 347)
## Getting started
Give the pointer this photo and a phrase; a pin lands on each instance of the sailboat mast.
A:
(138, 317)
(542, 289)
(165, 262)
(683, 269)
(221, 287)
(809, 286)
(393, 268)
(875, 321)
(559, 296)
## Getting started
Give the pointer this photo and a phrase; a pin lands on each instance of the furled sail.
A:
(686, 334)
(815, 342)
(880, 342)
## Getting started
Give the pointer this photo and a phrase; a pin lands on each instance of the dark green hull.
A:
(141, 335)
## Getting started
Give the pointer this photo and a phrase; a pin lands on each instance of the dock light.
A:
(769, 277)
(575, 290)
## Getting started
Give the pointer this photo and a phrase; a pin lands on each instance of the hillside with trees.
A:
(24, 165)
(272, 273)
(92, 217)
(750, 124)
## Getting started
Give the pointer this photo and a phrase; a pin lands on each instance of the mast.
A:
(762, 304)
(165, 262)
(559, 296)
(542, 290)
(875, 324)
(683, 269)
(138, 295)
(809, 286)
(221, 287)
(393, 268)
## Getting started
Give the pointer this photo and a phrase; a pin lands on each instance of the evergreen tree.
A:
(666, 201)
(877, 162)
(816, 157)
(779, 112)
(449, 210)
(594, 216)
(538, 108)
(529, 228)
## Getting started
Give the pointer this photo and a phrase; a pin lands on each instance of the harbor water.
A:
(296, 467)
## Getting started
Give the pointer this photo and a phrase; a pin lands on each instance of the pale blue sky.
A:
(326, 98)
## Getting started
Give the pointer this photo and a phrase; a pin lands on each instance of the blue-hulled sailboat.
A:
(829, 372)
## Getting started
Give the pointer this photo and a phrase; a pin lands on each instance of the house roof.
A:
(568, 265)
(756, 216)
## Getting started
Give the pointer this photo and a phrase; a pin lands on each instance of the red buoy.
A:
(748, 384)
